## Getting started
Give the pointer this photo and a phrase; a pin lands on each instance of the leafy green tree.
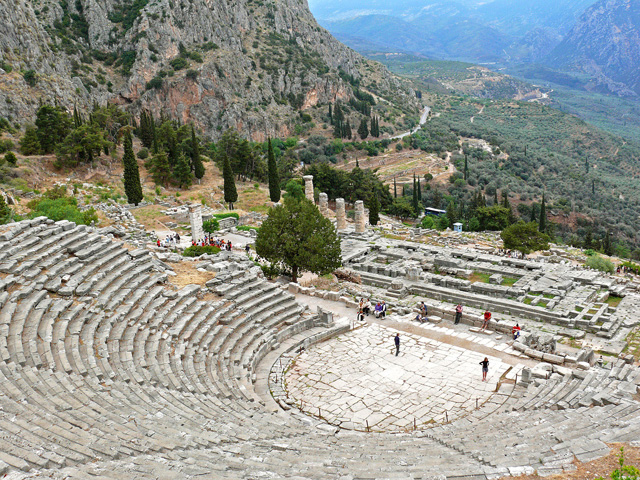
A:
(29, 143)
(402, 208)
(274, 180)
(525, 238)
(294, 189)
(493, 218)
(211, 225)
(230, 192)
(374, 210)
(132, 186)
(159, 168)
(182, 173)
(442, 223)
(196, 161)
(298, 236)
(81, 145)
(53, 125)
(427, 222)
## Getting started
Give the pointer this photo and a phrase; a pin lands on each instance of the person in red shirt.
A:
(516, 331)
(487, 317)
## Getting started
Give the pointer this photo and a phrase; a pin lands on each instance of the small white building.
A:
(457, 227)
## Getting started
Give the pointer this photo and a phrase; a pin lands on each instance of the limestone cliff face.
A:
(605, 43)
(251, 64)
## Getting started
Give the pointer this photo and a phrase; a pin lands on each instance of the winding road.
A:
(423, 120)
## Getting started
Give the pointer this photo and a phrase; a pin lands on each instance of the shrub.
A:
(178, 63)
(197, 250)
(143, 153)
(192, 74)
(30, 77)
(154, 83)
(210, 225)
(247, 228)
(11, 158)
(63, 208)
(220, 216)
(427, 222)
(599, 263)
(6, 146)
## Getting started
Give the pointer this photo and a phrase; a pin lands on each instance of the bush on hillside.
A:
(599, 263)
(62, 208)
(197, 250)
(210, 225)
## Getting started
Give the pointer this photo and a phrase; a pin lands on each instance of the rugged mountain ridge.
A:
(250, 64)
(605, 43)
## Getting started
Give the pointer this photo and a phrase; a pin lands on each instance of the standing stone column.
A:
(341, 215)
(308, 187)
(323, 204)
(360, 218)
(195, 218)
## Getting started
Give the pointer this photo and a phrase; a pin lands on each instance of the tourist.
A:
(487, 317)
(396, 340)
(423, 309)
(516, 331)
(247, 248)
(485, 368)
(158, 242)
(378, 309)
(361, 305)
(383, 311)
(366, 308)
(458, 313)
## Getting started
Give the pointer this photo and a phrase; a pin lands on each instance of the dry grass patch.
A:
(187, 274)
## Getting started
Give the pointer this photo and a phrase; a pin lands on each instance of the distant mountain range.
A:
(597, 39)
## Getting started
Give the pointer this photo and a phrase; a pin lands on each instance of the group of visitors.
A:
(213, 242)
(364, 309)
(511, 253)
(170, 241)
(625, 269)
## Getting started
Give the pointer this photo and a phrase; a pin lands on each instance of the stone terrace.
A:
(107, 372)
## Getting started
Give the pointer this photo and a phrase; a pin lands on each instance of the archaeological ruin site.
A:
(108, 371)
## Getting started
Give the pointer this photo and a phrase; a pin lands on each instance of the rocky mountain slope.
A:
(250, 64)
(605, 44)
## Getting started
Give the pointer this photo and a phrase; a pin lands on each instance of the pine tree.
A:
(363, 130)
(160, 169)
(542, 226)
(374, 211)
(230, 192)
(196, 161)
(274, 181)
(451, 213)
(395, 188)
(132, 186)
(182, 173)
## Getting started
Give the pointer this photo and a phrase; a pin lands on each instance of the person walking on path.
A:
(487, 317)
(396, 340)
(485, 368)
(458, 313)
(383, 312)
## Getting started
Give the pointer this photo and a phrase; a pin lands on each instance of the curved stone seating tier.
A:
(107, 372)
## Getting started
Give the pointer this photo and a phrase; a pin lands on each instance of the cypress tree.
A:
(466, 167)
(159, 167)
(363, 130)
(395, 188)
(196, 161)
(230, 192)
(182, 172)
(132, 186)
(330, 115)
(347, 131)
(337, 113)
(337, 129)
(606, 244)
(274, 181)
(416, 206)
(451, 213)
(495, 197)
(374, 210)
(77, 119)
(586, 165)
(542, 226)
(146, 129)
(419, 190)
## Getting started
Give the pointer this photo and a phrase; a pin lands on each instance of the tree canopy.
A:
(525, 238)
(298, 236)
